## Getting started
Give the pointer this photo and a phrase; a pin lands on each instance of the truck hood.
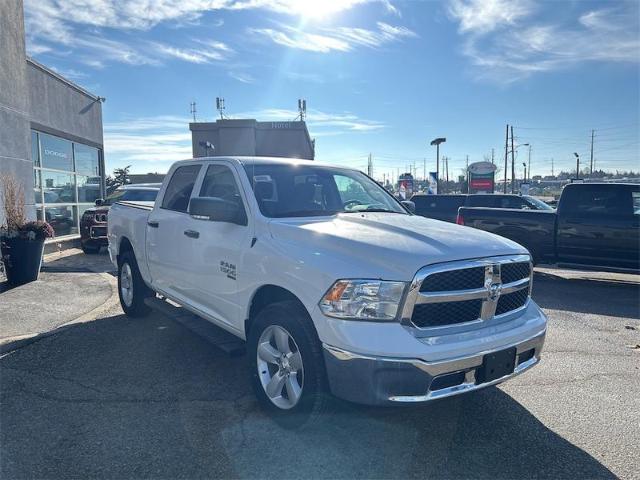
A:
(385, 244)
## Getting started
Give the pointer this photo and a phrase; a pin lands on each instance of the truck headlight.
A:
(363, 299)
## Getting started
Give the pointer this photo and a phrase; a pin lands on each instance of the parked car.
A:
(445, 207)
(596, 224)
(93, 223)
(332, 282)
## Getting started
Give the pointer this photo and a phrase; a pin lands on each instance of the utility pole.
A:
(513, 164)
(506, 159)
(592, 135)
(193, 110)
(493, 151)
(552, 174)
(447, 173)
(525, 178)
(370, 167)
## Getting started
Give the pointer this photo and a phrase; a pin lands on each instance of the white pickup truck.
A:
(334, 284)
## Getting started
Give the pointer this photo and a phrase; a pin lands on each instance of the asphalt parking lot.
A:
(124, 398)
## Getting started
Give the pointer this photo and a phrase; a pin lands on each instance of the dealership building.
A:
(51, 137)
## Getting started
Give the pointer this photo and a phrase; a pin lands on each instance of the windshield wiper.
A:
(306, 213)
(375, 210)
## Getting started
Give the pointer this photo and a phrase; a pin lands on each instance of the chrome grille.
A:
(511, 301)
(447, 313)
(512, 272)
(467, 291)
(462, 279)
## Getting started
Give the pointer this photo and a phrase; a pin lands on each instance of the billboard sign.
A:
(481, 177)
(433, 183)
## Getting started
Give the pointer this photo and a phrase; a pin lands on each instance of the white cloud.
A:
(507, 48)
(155, 140)
(341, 39)
(303, 41)
(242, 77)
(483, 16)
(205, 52)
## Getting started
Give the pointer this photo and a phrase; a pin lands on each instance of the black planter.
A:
(22, 259)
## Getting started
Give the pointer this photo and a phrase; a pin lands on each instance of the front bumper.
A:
(377, 380)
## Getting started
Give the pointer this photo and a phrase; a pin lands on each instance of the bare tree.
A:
(13, 201)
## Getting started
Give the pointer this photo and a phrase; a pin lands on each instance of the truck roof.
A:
(251, 160)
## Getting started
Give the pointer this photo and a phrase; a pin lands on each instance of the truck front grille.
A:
(512, 272)
(511, 301)
(463, 279)
(446, 313)
(467, 291)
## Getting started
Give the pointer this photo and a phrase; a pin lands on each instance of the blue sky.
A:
(380, 77)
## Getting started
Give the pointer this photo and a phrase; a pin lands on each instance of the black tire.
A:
(314, 398)
(134, 305)
(88, 250)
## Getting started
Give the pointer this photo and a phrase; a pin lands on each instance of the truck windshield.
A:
(538, 204)
(305, 190)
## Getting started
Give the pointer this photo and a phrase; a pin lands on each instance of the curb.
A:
(11, 344)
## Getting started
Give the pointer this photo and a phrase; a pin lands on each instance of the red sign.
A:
(482, 184)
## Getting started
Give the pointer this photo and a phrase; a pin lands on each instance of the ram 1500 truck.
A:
(334, 284)
(595, 224)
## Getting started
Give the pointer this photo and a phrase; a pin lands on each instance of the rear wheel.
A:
(286, 365)
(131, 287)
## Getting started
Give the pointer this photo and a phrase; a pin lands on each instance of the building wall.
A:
(250, 137)
(61, 108)
(15, 140)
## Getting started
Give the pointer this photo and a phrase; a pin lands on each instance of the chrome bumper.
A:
(384, 381)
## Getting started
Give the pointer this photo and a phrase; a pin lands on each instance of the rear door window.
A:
(598, 200)
(179, 189)
(483, 201)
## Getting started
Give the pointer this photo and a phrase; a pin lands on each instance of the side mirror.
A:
(217, 210)
(99, 201)
(409, 205)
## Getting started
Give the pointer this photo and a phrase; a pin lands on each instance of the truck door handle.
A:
(192, 233)
(153, 224)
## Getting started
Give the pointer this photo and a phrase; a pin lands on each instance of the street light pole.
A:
(437, 143)
(529, 162)
(577, 165)
(525, 172)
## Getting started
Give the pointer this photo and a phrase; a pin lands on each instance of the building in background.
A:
(51, 136)
(250, 137)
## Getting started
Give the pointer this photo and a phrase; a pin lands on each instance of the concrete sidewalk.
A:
(73, 287)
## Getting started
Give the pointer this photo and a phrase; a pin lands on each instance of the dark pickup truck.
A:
(595, 224)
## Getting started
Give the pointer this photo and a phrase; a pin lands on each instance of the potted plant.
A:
(21, 242)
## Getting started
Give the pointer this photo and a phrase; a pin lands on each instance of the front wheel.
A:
(131, 287)
(286, 365)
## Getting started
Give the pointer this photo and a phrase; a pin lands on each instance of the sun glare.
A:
(320, 9)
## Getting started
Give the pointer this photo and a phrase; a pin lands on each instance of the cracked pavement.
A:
(147, 398)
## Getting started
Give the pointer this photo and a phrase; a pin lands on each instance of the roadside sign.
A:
(481, 177)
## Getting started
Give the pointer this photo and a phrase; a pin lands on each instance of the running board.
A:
(225, 341)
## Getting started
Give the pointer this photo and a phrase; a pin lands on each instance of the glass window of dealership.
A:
(67, 180)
